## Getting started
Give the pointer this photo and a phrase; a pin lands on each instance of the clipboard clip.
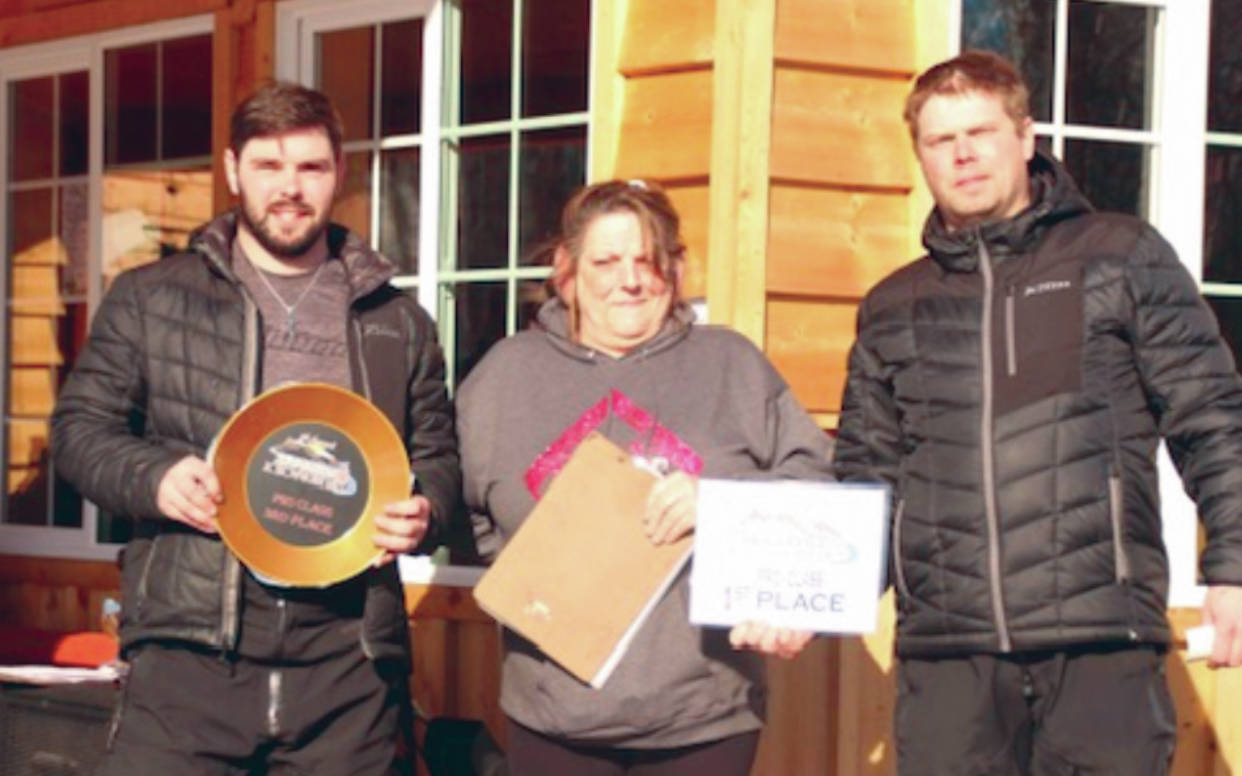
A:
(655, 464)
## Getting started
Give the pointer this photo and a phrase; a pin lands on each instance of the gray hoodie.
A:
(703, 398)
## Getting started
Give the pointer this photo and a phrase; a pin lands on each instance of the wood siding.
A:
(775, 125)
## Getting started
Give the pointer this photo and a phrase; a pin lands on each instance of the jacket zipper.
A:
(899, 576)
(986, 451)
(362, 360)
(368, 648)
(1121, 561)
(229, 614)
(1011, 337)
(273, 702)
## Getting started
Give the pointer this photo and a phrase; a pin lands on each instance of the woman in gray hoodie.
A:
(615, 352)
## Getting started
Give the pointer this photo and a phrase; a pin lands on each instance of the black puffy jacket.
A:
(1013, 387)
(174, 350)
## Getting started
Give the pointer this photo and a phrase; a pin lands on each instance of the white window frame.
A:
(297, 22)
(1178, 142)
(33, 61)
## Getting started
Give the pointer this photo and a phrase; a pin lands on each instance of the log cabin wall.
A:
(775, 125)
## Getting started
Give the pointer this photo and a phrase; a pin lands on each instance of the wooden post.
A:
(740, 150)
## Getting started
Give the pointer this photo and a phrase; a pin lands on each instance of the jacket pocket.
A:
(1116, 508)
(899, 577)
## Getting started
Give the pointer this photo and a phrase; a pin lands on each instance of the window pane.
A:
(480, 318)
(401, 75)
(1114, 176)
(129, 104)
(1109, 78)
(187, 97)
(74, 225)
(555, 38)
(26, 476)
(31, 127)
(1222, 217)
(353, 204)
(553, 165)
(1024, 33)
(346, 61)
(1229, 313)
(1225, 68)
(486, 60)
(30, 226)
(483, 202)
(531, 296)
(399, 211)
(149, 214)
(74, 122)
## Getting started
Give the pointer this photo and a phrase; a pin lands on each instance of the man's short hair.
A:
(280, 107)
(971, 71)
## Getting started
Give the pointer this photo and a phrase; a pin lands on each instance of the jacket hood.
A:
(553, 319)
(366, 269)
(1054, 197)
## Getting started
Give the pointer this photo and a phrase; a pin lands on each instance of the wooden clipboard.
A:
(580, 576)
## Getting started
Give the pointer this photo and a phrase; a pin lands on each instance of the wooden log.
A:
(808, 342)
(659, 41)
(741, 142)
(852, 34)
(834, 242)
(82, 18)
(666, 127)
(839, 128)
(692, 204)
(802, 712)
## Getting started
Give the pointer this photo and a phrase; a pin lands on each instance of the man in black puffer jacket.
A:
(1012, 387)
(227, 671)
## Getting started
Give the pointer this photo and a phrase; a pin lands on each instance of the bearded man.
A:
(230, 674)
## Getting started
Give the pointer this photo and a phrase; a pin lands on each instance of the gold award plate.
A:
(304, 469)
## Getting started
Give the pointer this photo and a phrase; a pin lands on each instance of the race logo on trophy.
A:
(308, 484)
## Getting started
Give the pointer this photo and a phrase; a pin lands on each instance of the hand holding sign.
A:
(801, 556)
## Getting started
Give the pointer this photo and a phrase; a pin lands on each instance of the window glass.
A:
(45, 310)
(553, 165)
(346, 61)
(130, 107)
(479, 315)
(1225, 68)
(1222, 221)
(31, 108)
(483, 202)
(399, 216)
(1024, 32)
(1222, 200)
(74, 122)
(401, 78)
(1108, 79)
(555, 47)
(1113, 176)
(185, 100)
(353, 203)
(486, 60)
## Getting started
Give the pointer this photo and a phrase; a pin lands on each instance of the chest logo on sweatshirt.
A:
(650, 441)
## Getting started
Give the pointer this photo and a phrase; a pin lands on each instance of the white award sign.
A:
(796, 554)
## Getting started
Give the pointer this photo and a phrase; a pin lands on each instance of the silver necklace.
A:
(291, 317)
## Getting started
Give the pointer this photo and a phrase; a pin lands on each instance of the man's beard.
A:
(275, 244)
